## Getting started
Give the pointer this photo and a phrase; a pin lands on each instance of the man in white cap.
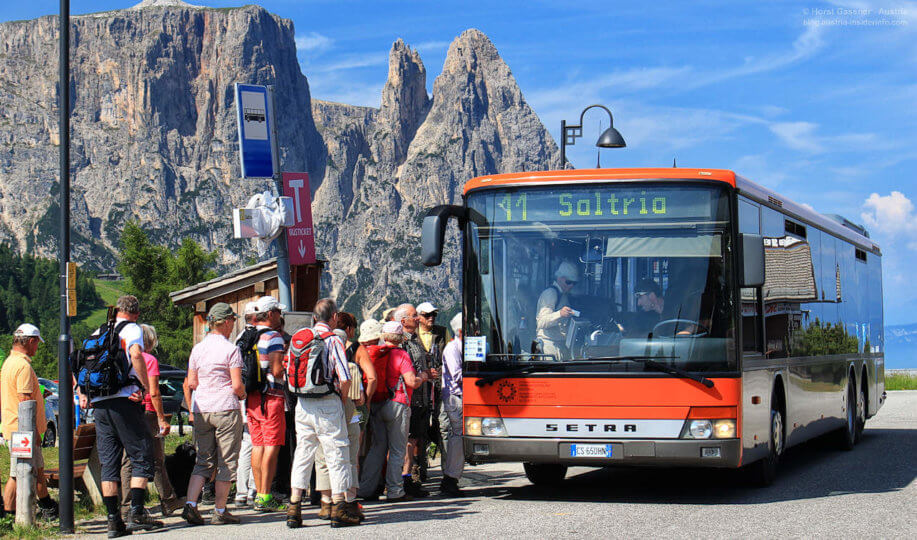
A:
(553, 307)
(245, 481)
(433, 338)
(18, 382)
(450, 419)
(265, 409)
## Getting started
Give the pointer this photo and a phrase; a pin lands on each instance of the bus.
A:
(658, 317)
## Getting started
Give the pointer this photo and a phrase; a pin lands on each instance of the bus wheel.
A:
(763, 472)
(846, 436)
(545, 474)
(861, 414)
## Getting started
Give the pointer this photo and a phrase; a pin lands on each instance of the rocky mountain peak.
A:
(165, 3)
(404, 97)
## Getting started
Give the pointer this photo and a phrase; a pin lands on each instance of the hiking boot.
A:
(224, 518)
(325, 512)
(116, 526)
(139, 519)
(404, 498)
(449, 487)
(192, 515)
(241, 502)
(169, 506)
(415, 489)
(269, 504)
(208, 494)
(344, 515)
(294, 515)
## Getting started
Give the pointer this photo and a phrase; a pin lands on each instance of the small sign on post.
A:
(254, 118)
(300, 237)
(21, 444)
(71, 289)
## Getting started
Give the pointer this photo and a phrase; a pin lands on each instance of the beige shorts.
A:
(217, 439)
(38, 459)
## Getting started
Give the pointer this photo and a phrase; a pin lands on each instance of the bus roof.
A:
(744, 186)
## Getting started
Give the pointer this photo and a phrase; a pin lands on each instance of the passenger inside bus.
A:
(553, 307)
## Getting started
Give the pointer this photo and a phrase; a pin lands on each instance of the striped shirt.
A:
(337, 358)
(270, 342)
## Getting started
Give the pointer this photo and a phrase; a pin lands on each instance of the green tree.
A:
(153, 272)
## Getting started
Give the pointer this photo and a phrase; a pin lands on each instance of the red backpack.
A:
(307, 363)
(379, 355)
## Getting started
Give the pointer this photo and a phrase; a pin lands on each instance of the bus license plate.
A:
(590, 450)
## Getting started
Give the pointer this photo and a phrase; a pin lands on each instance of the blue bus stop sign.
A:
(254, 118)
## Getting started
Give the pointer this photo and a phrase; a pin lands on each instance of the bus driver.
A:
(554, 305)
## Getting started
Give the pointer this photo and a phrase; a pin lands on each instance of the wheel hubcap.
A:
(778, 433)
(861, 408)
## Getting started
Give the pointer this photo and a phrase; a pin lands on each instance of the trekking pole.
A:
(25, 480)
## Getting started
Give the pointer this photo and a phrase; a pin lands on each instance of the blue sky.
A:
(815, 100)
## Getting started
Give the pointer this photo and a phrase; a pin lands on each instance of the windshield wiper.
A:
(650, 361)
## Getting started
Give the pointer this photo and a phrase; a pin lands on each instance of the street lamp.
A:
(610, 138)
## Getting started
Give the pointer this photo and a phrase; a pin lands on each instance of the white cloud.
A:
(891, 214)
(797, 135)
(431, 46)
(355, 61)
(313, 42)
(803, 136)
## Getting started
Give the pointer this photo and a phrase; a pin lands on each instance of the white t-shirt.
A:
(130, 335)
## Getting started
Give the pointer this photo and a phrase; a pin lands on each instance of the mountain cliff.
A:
(154, 140)
(153, 124)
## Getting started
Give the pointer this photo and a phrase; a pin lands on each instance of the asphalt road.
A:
(821, 492)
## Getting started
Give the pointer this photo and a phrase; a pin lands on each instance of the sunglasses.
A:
(639, 294)
(428, 315)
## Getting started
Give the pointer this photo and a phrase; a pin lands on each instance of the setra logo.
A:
(506, 391)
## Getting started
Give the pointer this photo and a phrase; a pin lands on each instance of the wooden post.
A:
(25, 479)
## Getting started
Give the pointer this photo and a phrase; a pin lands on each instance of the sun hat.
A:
(220, 312)
(392, 327)
(370, 330)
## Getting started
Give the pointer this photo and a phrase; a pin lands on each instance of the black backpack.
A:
(101, 366)
(252, 375)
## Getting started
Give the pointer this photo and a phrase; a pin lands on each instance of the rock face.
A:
(370, 205)
(154, 140)
(153, 125)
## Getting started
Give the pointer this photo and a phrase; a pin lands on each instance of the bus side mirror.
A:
(752, 260)
(433, 232)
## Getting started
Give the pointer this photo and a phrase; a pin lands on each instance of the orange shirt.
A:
(18, 377)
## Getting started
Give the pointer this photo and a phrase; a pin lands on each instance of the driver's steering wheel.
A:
(699, 329)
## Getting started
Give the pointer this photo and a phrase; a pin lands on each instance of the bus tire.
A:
(763, 472)
(861, 410)
(545, 474)
(846, 436)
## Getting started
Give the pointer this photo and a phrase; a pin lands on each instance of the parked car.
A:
(52, 415)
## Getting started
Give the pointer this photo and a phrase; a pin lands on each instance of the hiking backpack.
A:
(252, 375)
(101, 366)
(307, 364)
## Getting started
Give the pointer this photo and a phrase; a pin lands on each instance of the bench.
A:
(85, 460)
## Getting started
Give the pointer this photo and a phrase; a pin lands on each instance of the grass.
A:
(900, 381)
(109, 291)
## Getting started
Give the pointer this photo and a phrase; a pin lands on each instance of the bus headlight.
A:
(699, 429)
(709, 429)
(473, 426)
(493, 427)
(724, 429)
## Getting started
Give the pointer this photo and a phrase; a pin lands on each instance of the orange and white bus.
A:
(673, 317)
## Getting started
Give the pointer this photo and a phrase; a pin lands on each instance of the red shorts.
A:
(267, 428)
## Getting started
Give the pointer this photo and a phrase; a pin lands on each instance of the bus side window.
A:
(752, 339)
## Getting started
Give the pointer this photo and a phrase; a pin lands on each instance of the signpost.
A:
(260, 158)
(300, 240)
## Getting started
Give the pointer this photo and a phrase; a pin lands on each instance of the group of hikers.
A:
(362, 402)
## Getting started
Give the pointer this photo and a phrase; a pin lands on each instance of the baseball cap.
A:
(425, 308)
(370, 330)
(456, 322)
(267, 303)
(220, 312)
(250, 308)
(392, 327)
(28, 330)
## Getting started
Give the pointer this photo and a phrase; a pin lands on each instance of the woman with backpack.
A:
(363, 376)
(391, 413)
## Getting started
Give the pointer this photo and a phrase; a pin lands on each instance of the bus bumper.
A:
(677, 452)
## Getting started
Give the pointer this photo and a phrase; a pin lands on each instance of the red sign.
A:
(300, 239)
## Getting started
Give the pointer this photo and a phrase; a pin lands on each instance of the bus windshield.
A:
(615, 273)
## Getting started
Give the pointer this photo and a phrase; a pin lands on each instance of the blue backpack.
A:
(101, 366)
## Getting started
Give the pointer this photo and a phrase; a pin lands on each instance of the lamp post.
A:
(63, 342)
(610, 138)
